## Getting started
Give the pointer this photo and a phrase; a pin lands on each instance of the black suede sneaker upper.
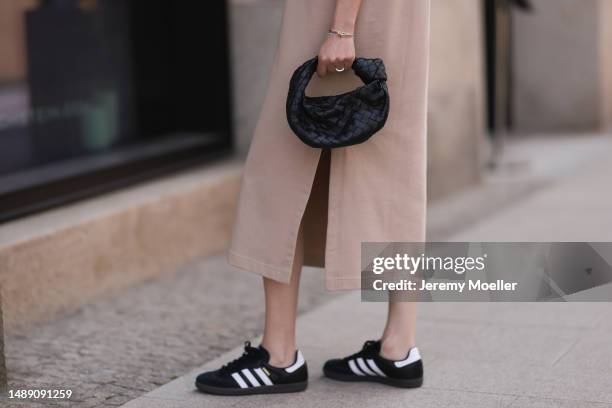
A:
(369, 365)
(251, 373)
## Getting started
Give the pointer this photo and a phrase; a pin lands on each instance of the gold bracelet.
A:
(341, 34)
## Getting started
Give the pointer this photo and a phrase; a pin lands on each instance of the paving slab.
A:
(532, 402)
(592, 351)
(575, 210)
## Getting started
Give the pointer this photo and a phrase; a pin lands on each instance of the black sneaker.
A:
(252, 374)
(368, 365)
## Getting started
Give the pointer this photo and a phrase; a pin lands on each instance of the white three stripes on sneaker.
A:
(363, 367)
(266, 380)
(239, 380)
(251, 379)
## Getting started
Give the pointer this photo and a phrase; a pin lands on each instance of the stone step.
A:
(53, 262)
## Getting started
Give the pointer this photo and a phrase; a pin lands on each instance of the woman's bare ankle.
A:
(396, 348)
(281, 355)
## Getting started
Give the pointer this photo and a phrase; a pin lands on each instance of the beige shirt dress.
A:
(372, 192)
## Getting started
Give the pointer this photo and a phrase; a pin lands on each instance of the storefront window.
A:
(97, 93)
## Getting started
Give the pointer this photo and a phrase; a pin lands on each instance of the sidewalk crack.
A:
(565, 352)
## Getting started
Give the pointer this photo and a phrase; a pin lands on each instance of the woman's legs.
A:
(279, 340)
(281, 312)
(399, 334)
(282, 299)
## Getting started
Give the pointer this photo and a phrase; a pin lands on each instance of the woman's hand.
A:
(336, 53)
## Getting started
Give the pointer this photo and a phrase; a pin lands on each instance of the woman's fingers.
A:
(327, 65)
(335, 64)
(347, 62)
(322, 67)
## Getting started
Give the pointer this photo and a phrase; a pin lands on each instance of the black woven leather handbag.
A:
(339, 120)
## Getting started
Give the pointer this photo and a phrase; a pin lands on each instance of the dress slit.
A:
(314, 220)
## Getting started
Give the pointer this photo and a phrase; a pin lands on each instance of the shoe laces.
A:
(249, 355)
(368, 347)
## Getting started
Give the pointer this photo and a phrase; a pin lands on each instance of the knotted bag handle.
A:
(361, 67)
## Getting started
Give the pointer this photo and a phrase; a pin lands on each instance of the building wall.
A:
(605, 71)
(557, 66)
(456, 96)
(12, 39)
(456, 119)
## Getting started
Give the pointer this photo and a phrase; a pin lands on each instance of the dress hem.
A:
(273, 272)
(280, 274)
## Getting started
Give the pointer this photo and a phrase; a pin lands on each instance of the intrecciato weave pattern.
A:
(340, 120)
